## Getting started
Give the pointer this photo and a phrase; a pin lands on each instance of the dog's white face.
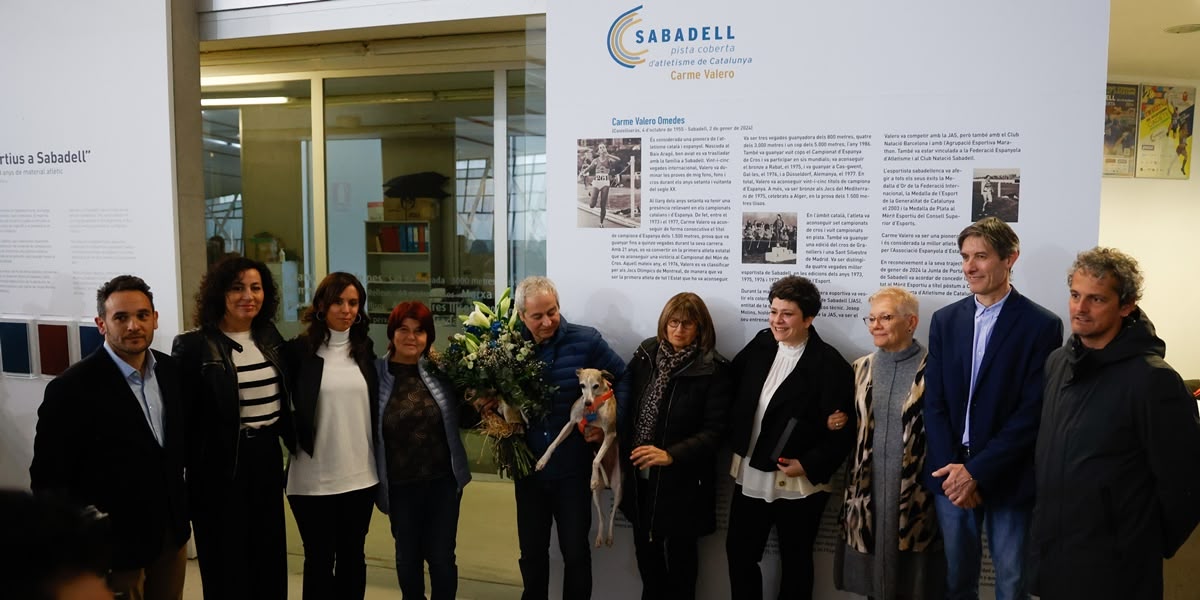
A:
(592, 384)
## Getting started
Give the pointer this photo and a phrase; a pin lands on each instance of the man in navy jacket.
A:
(983, 399)
(560, 493)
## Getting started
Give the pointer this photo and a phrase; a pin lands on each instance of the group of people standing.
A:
(1078, 460)
(154, 441)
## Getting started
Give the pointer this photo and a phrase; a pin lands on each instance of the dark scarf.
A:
(667, 361)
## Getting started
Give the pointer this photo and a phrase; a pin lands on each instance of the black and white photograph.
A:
(996, 193)
(769, 238)
(609, 182)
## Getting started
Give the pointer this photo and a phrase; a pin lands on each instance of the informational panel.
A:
(86, 187)
(715, 147)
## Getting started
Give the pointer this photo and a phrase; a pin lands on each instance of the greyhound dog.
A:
(595, 407)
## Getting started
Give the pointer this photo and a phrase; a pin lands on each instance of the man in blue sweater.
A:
(560, 493)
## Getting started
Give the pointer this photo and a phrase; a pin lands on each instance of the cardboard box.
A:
(419, 209)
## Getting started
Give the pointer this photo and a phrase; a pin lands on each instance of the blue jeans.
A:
(1008, 537)
(424, 517)
(566, 503)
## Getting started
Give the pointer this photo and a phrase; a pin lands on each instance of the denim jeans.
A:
(424, 517)
(567, 503)
(1008, 538)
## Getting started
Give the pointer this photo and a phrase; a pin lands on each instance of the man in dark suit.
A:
(110, 435)
(983, 399)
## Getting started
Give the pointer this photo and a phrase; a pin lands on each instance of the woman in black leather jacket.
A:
(238, 410)
(681, 396)
(332, 477)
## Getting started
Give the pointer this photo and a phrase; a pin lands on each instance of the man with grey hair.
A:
(1118, 480)
(561, 492)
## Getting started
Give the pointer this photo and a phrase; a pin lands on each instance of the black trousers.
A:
(334, 531)
(667, 564)
(424, 518)
(239, 525)
(566, 503)
(796, 523)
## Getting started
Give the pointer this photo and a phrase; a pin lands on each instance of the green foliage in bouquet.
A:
(490, 358)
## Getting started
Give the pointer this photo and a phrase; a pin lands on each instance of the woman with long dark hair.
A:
(421, 462)
(236, 393)
(331, 481)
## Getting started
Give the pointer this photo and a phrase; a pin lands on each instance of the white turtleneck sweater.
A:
(344, 460)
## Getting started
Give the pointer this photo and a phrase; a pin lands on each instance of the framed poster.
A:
(1120, 129)
(1165, 118)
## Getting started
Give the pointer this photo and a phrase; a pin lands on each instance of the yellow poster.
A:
(1165, 118)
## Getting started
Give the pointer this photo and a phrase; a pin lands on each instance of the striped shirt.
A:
(258, 383)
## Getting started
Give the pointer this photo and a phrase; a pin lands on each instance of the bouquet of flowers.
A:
(491, 359)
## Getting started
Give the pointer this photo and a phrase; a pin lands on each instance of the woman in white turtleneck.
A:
(331, 479)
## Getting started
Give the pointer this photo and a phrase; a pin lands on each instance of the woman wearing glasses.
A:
(681, 401)
(888, 527)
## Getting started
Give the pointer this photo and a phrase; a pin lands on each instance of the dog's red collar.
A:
(589, 412)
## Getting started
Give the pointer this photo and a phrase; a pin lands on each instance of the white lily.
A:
(477, 318)
(483, 308)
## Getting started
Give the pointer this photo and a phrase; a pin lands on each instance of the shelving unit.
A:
(398, 264)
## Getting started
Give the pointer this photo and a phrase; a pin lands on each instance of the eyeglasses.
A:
(883, 319)
(678, 324)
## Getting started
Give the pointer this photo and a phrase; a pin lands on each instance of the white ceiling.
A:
(1137, 45)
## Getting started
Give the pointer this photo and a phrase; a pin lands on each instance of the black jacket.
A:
(821, 383)
(211, 394)
(1118, 468)
(94, 447)
(692, 423)
(306, 369)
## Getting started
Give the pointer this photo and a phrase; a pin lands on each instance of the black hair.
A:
(121, 283)
(328, 292)
(210, 298)
(800, 290)
(49, 543)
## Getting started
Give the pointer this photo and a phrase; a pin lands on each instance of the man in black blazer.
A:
(110, 435)
(983, 401)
